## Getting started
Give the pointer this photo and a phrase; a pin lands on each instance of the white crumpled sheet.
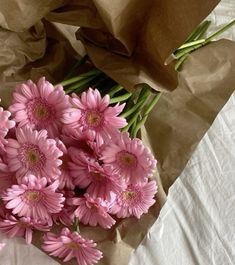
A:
(196, 226)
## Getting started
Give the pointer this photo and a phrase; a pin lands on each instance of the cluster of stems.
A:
(196, 40)
(138, 104)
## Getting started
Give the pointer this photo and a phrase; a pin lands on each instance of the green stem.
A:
(79, 84)
(180, 61)
(203, 30)
(190, 44)
(76, 225)
(70, 81)
(146, 93)
(114, 90)
(135, 107)
(196, 32)
(146, 113)
(184, 51)
(120, 98)
(220, 31)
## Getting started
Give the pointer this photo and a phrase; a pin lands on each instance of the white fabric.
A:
(197, 223)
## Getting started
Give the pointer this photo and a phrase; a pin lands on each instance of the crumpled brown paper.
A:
(130, 40)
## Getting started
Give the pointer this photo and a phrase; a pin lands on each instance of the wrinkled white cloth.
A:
(196, 226)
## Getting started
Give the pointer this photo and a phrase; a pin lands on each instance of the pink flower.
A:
(22, 227)
(65, 178)
(84, 141)
(33, 198)
(129, 157)
(70, 245)
(34, 153)
(79, 167)
(7, 178)
(5, 125)
(66, 215)
(93, 211)
(40, 106)
(104, 182)
(93, 113)
(135, 200)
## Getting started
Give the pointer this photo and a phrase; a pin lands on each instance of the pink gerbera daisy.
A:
(32, 152)
(135, 200)
(65, 178)
(101, 181)
(33, 198)
(39, 106)
(66, 216)
(70, 245)
(95, 114)
(5, 125)
(129, 157)
(22, 227)
(93, 211)
(79, 167)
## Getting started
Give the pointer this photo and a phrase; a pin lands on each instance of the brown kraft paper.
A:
(130, 40)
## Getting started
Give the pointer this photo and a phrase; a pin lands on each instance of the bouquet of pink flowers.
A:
(65, 160)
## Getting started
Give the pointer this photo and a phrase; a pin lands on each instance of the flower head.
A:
(129, 157)
(22, 227)
(135, 200)
(93, 113)
(70, 245)
(5, 125)
(32, 152)
(39, 106)
(93, 211)
(33, 198)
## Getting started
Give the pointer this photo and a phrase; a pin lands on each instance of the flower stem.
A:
(114, 90)
(143, 97)
(76, 225)
(135, 107)
(203, 30)
(190, 44)
(120, 98)
(180, 61)
(193, 36)
(75, 79)
(220, 31)
(79, 84)
(146, 113)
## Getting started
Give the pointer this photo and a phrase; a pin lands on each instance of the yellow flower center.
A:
(32, 156)
(93, 118)
(128, 195)
(126, 159)
(32, 195)
(41, 111)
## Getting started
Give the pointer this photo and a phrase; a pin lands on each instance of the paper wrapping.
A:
(182, 117)
(130, 40)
